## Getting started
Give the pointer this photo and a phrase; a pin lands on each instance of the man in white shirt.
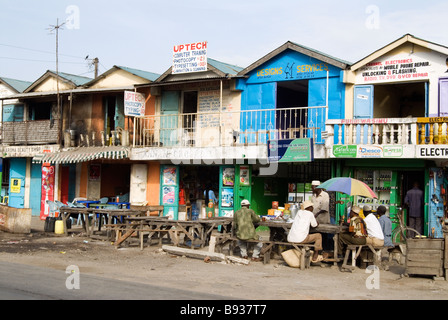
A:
(300, 229)
(375, 234)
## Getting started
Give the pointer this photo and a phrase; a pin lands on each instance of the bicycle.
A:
(402, 232)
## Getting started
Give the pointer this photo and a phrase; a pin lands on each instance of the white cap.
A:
(245, 202)
(307, 204)
(315, 183)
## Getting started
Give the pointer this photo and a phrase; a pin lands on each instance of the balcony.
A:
(30, 132)
(230, 128)
(393, 137)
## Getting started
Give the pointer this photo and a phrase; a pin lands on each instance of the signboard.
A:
(291, 150)
(134, 104)
(190, 57)
(395, 68)
(15, 185)
(432, 151)
(368, 151)
(47, 190)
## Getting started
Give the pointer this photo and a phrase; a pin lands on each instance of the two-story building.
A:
(394, 131)
(82, 151)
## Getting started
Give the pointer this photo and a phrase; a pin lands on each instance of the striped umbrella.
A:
(350, 186)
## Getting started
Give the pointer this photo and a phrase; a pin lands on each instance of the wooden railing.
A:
(30, 132)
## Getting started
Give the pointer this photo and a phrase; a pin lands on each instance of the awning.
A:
(83, 154)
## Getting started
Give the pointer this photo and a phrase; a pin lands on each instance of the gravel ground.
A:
(255, 281)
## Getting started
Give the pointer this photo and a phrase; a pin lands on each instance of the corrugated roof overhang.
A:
(83, 154)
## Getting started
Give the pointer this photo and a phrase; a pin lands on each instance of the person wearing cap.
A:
(356, 234)
(375, 234)
(243, 223)
(321, 203)
(300, 230)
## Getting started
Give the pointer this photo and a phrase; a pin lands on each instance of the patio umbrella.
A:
(350, 186)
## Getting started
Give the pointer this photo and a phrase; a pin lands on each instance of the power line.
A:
(40, 51)
(35, 60)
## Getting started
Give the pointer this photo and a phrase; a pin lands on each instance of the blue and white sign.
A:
(134, 104)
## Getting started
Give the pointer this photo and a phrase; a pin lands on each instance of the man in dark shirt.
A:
(414, 201)
(243, 222)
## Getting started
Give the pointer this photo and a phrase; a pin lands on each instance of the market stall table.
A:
(66, 212)
(199, 230)
(279, 230)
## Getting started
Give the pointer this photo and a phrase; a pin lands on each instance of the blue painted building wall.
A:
(259, 90)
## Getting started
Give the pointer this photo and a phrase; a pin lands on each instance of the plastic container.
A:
(59, 227)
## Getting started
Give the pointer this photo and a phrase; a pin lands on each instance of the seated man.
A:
(386, 225)
(356, 234)
(375, 235)
(243, 222)
(301, 227)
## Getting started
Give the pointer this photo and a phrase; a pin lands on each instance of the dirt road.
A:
(274, 281)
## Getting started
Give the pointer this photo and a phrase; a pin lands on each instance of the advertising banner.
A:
(291, 150)
(47, 190)
(190, 57)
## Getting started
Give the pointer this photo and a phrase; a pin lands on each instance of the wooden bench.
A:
(305, 260)
(355, 251)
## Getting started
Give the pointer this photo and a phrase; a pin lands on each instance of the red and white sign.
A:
(190, 57)
(47, 190)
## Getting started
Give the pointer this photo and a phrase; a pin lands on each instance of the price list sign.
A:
(190, 57)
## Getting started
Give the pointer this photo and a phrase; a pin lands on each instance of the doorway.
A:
(408, 178)
(290, 96)
(189, 110)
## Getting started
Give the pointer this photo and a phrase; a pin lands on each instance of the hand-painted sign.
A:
(134, 104)
(190, 57)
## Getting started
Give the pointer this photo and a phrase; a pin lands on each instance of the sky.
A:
(142, 34)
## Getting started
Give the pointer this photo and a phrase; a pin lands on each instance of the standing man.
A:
(414, 201)
(300, 229)
(321, 203)
(243, 222)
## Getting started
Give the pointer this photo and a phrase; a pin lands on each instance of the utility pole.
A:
(95, 63)
(59, 107)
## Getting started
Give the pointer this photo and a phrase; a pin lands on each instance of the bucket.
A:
(59, 227)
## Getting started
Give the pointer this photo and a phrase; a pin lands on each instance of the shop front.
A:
(191, 192)
(390, 179)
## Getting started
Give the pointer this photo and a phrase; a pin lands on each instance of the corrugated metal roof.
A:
(83, 154)
(17, 85)
(77, 80)
(151, 76)
(224, 67)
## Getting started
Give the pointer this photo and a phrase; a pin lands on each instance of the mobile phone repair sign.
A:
(134, 104)
(190, 57)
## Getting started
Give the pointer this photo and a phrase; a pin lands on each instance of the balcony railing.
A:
(30, 132)
(229, 128)
(390, 131)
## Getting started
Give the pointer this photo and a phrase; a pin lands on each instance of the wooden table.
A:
(199, 230)
(86, 212)
(281, 229)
